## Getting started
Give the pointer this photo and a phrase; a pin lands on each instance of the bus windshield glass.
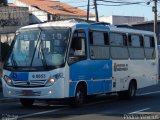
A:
(43, 47)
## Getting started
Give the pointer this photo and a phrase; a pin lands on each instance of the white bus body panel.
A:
(60, 89)
(143, 71)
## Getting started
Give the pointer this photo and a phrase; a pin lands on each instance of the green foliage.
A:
(3, 2)
(5, 48)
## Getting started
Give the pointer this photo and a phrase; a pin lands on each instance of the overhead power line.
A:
(125, 2)
(115, 5)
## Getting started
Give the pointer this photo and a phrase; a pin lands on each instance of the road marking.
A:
(8, 100)
(38, 113)
(50, 111)
(93, 103)
(139, 111)
(148, 93)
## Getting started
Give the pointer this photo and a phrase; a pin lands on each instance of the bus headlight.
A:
(50, 82)
(8, 80)
(53, 79)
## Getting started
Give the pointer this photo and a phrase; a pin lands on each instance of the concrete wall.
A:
(11, 18)
(36, 15)
(106, 19)
(117, 20)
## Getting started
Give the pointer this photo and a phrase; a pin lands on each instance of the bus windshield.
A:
(43, 47)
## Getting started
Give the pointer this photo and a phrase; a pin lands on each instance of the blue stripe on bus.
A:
(96, 73)
(23, 76)
(94, 87)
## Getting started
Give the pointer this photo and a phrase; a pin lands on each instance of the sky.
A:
(142, 10)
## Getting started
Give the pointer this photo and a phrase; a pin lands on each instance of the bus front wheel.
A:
(27, 102)
(80, 97)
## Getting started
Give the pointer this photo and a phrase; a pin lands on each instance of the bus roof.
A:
(84, 25)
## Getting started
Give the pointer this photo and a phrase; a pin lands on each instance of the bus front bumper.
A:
(52, 92)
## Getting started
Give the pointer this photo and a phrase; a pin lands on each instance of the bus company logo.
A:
(28, 83)
(120, 67)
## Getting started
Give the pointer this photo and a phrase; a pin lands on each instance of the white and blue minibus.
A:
(71, 60)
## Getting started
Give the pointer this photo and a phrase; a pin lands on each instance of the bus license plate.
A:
(27, 92)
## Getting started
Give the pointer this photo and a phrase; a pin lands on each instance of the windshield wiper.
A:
(13, 61)
(39, 42)
(42, 52)
(35, 48)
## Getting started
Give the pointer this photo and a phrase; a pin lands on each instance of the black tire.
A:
(130, 93)
(27, 102)
(80, 97)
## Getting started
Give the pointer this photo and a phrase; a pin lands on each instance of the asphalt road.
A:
(146, 105)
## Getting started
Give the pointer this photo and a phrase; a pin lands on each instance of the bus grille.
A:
(23, 93)
(31, 83)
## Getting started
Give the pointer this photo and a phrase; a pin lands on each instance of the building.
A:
(46, 10)
(117, 20)
(12, 18)
(148, 25)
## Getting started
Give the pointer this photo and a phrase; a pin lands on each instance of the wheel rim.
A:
(132, 90)
(79, 97)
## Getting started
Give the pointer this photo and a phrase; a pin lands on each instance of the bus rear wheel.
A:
(130, 93)
(27, 102)
(132, 90)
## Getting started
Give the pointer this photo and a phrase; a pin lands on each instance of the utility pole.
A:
(0, 50)
(96, 11)
(88, 10)
(155, 16)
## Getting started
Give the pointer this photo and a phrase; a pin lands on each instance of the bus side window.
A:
(136, 46)
(118, 45)
(149, 47)
(98, 45)
(77, 49)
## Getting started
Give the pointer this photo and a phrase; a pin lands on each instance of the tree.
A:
(3, 2)
(5, 50)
